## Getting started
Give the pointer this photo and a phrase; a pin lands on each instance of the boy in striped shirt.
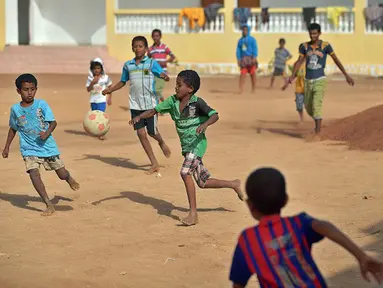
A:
(140, 72)
(278, 249)
(160, 52)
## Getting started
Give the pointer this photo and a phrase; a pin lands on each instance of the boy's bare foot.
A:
(153, 169)
(190, 220)
(49, 211)
(165, 149)
(73, 184)
(102, 138)
(238, 190)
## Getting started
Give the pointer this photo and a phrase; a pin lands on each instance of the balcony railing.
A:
(144, 21)
(291, 21)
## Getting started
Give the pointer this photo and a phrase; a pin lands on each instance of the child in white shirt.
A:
(96, 83)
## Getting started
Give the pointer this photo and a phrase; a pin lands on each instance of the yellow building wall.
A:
(353, 49)
(2, 24)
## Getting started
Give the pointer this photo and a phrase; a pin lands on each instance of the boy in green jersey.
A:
(192, 116)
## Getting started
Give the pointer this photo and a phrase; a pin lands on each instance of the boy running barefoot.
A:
(140, 71)
(192, 117)
(34, 121)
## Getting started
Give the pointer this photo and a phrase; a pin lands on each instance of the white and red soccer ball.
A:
(96, 123)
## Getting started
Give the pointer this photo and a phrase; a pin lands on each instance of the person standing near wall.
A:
(160, 52)
(247, 53)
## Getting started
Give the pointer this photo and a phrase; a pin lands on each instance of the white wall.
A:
(67, 22)
(306, 3)
(157, 4)
(11, 23)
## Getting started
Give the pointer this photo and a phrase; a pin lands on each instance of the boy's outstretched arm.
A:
(11, 136)
(341, 68)
(367, 264)
(212, 119)
(116, 87)
(145, 115)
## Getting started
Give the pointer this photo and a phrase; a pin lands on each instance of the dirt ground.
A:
(121, 229)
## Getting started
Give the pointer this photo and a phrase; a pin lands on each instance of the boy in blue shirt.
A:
(140, 71)
(34, 121)
(247, 53)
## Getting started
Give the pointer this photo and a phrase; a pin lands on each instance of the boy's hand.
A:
(106, 91)
(290, 80)
(285, 86)
(349, 80)
(44, 135)
(95, 79)
(369, 265)
(165, 77)
(109, 101)
(201, 129)
(5, 152)
(135, 120)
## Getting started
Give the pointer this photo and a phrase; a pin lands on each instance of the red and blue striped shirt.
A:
(278, 250)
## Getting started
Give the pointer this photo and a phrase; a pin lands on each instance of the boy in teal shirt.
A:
(192, 116)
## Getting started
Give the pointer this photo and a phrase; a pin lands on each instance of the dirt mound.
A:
(362, 131)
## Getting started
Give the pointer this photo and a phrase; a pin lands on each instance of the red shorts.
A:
(249, 69)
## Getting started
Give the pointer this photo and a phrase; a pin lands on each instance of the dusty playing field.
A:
(121, 229)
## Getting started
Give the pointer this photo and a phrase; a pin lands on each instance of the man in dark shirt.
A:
(315, 53)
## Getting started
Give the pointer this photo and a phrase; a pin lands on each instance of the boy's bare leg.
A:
(192, 218)
(253, 82)
(149, 150)
(235, 185)
(242, 79)
(318, 126)
(34, 174)
(301, 117)
(64, 174)
(272, 81)
(165, 148)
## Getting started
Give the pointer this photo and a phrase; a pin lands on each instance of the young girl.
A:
(160, 52)
(96, 83)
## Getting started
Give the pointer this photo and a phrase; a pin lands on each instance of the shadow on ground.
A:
(22, 201)
(163, 208)
(116, 161)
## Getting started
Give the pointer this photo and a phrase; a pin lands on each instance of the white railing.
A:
(291, 21)
(373, 29)
(134, 21)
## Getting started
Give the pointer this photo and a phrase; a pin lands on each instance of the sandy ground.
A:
(121, 230)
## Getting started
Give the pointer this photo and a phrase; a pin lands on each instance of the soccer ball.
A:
(96, 123)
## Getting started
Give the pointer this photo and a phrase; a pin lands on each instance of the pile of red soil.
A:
(362, 131)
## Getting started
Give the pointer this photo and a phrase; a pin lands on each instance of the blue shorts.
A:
(98, 106)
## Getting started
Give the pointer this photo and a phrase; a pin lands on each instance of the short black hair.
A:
(142, 39)
(314, 26)
(266, 190)
(94, 64)
(191, 78)
(282, 40)
(25, 78)
(157, 31)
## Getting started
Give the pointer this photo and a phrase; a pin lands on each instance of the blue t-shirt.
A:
(29, 122)
(315, 58)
